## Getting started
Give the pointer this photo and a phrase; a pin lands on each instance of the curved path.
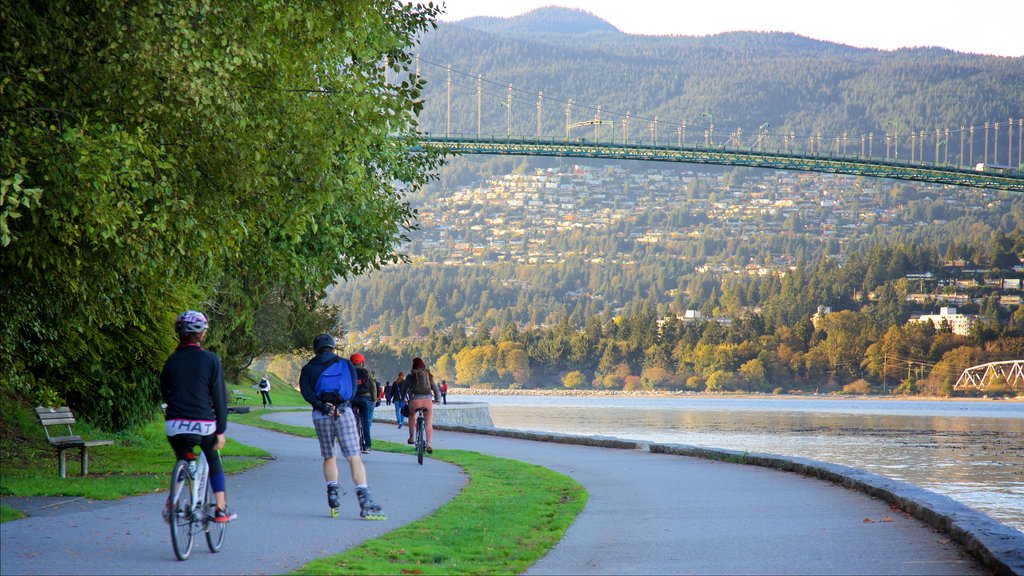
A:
(283, 518)
(647, 513)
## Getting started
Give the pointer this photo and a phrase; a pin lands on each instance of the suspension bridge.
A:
(590, 131)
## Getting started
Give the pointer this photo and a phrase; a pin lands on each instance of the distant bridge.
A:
(981, 376)
(856, 165)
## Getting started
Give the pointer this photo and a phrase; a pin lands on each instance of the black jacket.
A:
(192, 386)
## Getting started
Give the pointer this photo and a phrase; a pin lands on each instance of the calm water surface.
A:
(972, 451)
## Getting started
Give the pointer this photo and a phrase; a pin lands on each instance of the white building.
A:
(961, 324)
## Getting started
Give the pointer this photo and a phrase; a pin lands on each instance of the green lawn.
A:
(281, 392)
(138, 462)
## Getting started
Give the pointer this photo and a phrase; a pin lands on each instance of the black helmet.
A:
(323, 341)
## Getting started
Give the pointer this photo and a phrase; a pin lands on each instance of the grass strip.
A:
(507, 517)
(139, 461)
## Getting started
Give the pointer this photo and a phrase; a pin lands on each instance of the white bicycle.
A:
(192, 507)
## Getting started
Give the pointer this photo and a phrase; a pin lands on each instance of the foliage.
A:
(161, 156)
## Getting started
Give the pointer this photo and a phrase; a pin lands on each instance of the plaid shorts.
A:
(342, 430)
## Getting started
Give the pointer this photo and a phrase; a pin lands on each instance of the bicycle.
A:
(192, 507)
(421, 433)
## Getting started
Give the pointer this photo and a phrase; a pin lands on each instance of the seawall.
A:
(997, 546)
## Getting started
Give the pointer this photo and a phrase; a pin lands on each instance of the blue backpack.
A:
(335, 383)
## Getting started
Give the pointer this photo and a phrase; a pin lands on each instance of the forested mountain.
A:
(740, 80)
(546, 272)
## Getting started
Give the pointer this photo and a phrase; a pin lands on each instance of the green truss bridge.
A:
(999, 178)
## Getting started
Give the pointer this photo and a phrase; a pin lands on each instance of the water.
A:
(971, 451)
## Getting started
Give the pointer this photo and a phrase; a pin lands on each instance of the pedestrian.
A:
(192, 387)
(264, 388)
(387, 393)
(328, 382)
(444, 391)
(398, 398)
(422, 393)
(365, 399)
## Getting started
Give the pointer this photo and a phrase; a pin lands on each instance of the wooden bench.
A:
(62, 416)
(239, 397)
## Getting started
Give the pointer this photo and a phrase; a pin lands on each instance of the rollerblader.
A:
(328, 383)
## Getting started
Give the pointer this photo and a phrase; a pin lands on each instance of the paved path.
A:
(664, 514)
(647, 514)
(283, 518)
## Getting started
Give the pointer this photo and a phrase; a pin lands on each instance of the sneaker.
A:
(365, 450)
(411, 441)
(224, 515)
(167, 512)
(430, 449)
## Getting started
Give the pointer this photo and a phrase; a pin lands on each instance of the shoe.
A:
(368, 509)
(430, 449)
(399, 426)
(167, 512)
(224, 515)
(411, 441)
(365, 450)
(332, 496)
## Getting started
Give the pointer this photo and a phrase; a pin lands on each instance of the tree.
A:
(193, 155)
(573, 380)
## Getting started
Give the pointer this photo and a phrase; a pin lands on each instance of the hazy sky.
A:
(980, 26)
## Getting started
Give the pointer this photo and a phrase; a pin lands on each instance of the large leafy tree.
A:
(157, 156)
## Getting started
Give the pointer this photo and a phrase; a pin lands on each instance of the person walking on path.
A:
(444, 391)
(397, 396)
(264, 388)
(366, 398)
(422, 393)
(192, 387)
(329, 392)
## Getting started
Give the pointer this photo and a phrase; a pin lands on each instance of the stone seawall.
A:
(476, 414)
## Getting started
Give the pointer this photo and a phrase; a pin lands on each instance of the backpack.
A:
(335, 383)
(364, 380)
(421, 382)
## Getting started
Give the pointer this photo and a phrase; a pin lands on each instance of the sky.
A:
(993, 27)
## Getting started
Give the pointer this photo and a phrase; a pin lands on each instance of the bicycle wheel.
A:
(215, 531)
(421, 437)
(181, 511)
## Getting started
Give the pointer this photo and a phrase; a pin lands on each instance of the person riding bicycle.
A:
(334, 423)
(365, 398)
(421, 393)
(192, 387)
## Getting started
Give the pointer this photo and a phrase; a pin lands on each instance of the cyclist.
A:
(192, 386)
(334, 423)
(365, 398)
(422, 393)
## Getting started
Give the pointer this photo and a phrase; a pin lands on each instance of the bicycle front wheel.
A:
(421, 439)
(181, 511)
(215, 531)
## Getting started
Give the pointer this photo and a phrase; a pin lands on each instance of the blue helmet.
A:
(191, 322)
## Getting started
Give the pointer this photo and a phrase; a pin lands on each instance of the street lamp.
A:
(896, 137)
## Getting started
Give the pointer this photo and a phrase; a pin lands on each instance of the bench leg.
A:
(85, 460)
(61, 463)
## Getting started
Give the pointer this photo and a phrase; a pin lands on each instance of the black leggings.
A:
(183, 445)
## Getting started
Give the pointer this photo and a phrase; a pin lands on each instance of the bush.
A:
(860, 386)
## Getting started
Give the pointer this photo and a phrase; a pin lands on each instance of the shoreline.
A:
(725, 395)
